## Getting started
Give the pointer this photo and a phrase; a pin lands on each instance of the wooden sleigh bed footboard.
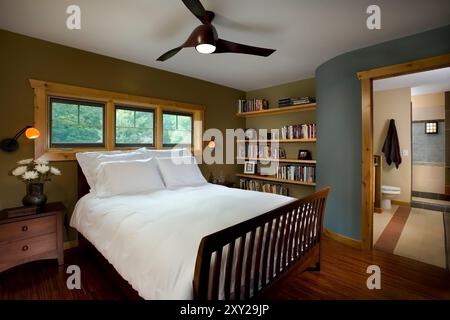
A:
(241, 261)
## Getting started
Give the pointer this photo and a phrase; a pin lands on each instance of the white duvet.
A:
(152, 240)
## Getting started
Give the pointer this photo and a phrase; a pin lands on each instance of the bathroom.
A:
(412, 166)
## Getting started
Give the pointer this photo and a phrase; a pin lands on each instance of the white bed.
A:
(152, 240)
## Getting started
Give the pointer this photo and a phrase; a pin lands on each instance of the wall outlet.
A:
(405, 152)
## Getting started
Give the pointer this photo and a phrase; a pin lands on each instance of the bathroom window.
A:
(431, 127)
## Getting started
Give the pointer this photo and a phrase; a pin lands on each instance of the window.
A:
(72, 119)
(76, 123)
(431, 127)
(177, 129)
(134, 127)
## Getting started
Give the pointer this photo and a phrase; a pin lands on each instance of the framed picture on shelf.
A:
(304, 155)
(249, 167)
(282, 153)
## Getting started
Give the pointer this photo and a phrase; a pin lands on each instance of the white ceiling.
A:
(305, 33)
(420, 83)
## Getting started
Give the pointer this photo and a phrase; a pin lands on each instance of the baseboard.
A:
(401, 203)
(378, 210)
(70, 244)
(343, 239)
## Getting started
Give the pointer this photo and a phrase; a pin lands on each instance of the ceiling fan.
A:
(205, 39)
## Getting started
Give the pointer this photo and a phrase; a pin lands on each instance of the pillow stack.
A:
(139, 172)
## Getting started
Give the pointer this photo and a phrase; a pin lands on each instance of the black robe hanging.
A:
(391, 147)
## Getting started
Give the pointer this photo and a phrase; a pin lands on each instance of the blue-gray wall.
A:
(428, 148)
(338, 92)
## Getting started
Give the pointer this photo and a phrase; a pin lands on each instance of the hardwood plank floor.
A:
(343, 276)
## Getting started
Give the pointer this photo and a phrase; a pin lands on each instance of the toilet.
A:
(387, 194)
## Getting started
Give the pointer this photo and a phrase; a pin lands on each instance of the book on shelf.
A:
(261, 186)
(252, 105)
(285, 102)
(297, 173)
(260, 151)
(299, 131)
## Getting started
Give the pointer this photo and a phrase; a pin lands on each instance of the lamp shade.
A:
(212, 143)
(32, 133)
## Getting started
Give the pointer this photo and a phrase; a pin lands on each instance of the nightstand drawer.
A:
(26, 229)
(21, 251)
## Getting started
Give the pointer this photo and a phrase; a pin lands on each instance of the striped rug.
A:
(391, 234)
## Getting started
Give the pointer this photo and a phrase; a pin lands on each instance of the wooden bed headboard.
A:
(83, 186)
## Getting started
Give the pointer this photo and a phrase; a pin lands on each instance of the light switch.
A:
(405, 152)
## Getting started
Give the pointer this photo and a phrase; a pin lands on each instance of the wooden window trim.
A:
(43, 90)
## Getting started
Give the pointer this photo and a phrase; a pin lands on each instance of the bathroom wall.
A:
(394, 104)
(428, 150)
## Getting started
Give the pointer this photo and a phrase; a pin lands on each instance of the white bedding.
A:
(152, 240)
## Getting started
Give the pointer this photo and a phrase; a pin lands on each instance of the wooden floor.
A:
(343, 276)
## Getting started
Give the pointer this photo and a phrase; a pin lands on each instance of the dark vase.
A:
(35, 195)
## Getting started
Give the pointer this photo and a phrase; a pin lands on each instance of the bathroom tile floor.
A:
(419, 235)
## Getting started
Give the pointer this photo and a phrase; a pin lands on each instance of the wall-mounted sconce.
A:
(11, 144)
(212, 143)
(431, 127)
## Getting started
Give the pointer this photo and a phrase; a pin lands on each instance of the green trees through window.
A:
(76, 123)
(134, 127)
(177, 129)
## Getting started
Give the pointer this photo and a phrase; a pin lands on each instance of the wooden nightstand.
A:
(32, 237)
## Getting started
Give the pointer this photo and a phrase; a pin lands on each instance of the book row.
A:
(299, 131)
(252, 105)
(260, 151)
(262, 186)
(297, 173)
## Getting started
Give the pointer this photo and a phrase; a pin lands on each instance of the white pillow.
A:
(127, 177)
(180, 172)
(89, 161)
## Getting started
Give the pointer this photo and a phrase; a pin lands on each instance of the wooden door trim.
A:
(367, 77)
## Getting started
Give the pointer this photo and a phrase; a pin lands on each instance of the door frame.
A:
(367, 77)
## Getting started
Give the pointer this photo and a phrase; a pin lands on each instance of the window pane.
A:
(177, 129)
(76, 122)
(134, 127)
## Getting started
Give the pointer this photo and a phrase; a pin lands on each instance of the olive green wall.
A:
(272, 94)
(22, 58)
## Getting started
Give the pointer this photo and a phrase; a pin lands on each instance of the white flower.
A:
(30, 175)
(19, 171)
(41, 161)
(42, 168)
(26, 161)
(55, 171)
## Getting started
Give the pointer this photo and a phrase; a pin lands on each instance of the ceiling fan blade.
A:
(169, 54)
(199, 11)
(223, 46)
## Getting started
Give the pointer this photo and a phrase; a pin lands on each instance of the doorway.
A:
(409, 111)
(367, 78)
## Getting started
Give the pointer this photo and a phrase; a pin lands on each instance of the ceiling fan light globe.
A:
(205, 48)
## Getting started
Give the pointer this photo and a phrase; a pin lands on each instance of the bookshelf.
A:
(278, 110)
(276, 118)
(279, 160)
(273, 179)
(279, 141)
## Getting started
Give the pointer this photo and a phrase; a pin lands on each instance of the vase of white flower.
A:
(34, 173)
(35, 195)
